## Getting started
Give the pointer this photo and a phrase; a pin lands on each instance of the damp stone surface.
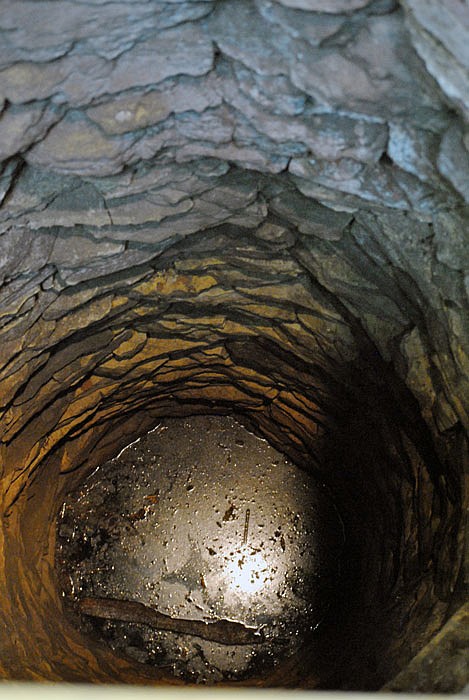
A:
(202, 520)
(260, 208)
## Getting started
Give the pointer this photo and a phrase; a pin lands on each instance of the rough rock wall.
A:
(255, 206)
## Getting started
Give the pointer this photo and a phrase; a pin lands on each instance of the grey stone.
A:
(133, 111)
(447, 20)
(20, 126)
(414, 150)
(413, 273)
(81, 204)
(153, 234)
(250, 216)
(275, 94)
(71, 89)
(35, 189)
(17, 291)
(298, 24)
(207, 211)
(152, 207)
(234, 190)
(332, 6)
(28, 26)
(76, 146)
(162, 175)
(434, 43)
(214, 125)
(22, 251)
(46, 30)
(71, 251)
(7, 176)
(378, 185)
(341, 275)
(407, 246)
(244, 156)
(309, 216)
(124, 261)
(328, 136)
(182, 51)
(373, 74)
(244, 35)
(451, 238)
(453, 160)
(25, 82)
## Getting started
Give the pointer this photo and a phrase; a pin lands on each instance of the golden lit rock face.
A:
(193, 220)
(229, 337)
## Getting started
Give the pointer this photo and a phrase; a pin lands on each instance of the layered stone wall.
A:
(255, 207)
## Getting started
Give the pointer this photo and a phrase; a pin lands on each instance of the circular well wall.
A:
(196, 222)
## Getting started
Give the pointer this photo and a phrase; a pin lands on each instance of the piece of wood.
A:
(221, 631)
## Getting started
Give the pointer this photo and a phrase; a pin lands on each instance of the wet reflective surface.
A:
(202, 520)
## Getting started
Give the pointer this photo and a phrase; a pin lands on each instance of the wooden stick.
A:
(221, 631)
(246, 526)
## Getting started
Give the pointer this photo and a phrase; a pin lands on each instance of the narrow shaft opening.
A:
(247, 217)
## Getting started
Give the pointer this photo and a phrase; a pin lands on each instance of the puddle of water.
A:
(202, 520)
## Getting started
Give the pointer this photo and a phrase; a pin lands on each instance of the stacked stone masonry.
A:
(256, 207)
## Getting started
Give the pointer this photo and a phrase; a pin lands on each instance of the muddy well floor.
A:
(200, 549)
